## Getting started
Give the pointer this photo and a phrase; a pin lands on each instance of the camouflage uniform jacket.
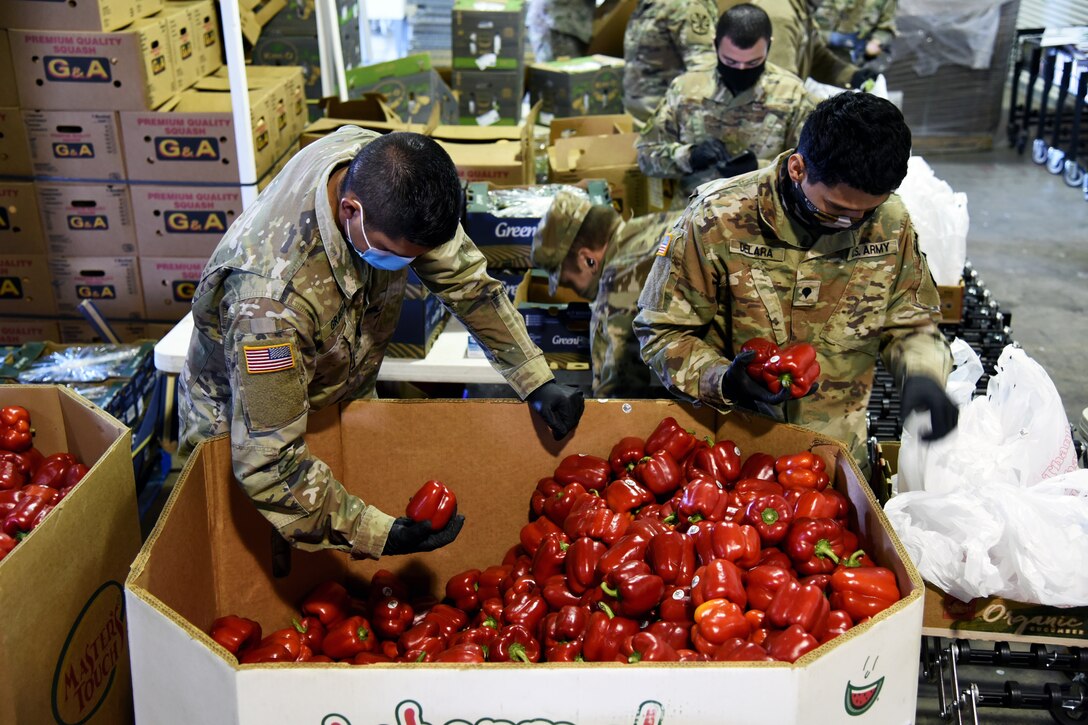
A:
(288, 320)
(664, 38)
(618, 370)
(797, 44)
(766, 118)
(572, 17)
(735, 269)
(869, 20)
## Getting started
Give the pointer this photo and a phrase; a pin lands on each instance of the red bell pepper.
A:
(659, 473)
(434, 503)
(550, 557)
(390, 617)
(35, 503)
(520, 567)
(739, 650)
(717, 620)
(15, 431)
(748, 490)
(53, 470)
(738, 543)
(631, 547)
(771, 516)
(764, 581)
(580, 564)
(482, 635)
(720, 461)
(7, 545)
(235, 634)
(349, 637)
(825, 504)
(625, 494)
(75, 473)
(428, 649)
(790, 644)
(493, 581)
(515, 644)
(466, 652)
(449, 619)
(590, 471)
(605, 635)
(820, 581)
(464, 590)
(590, 516)
(758, 465)
(545, 489)
(625, 454)
(671, 556)
(863, 591)
(804, 459)
(801, 604)
(523, 605)
(838, 621)
(385, 584)
(313, 633)
(773, 556)
(564, 633)
(795, 368)
(677, 634)
(14, 472)
(764, 350)
(649, 647)
(534, 532)
(804, 478)
(557, 593)
(720, 579)
(9, 500)
(703, 499)
(635, 588)
(421, 636)
(558, 507)
(676, 605)
(670, 436)
(815, 545)
(283, 645)
(328, 602)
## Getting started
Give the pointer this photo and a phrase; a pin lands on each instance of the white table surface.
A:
(446, 362)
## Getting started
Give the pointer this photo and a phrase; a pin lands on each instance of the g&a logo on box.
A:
(5, 220)
(96, 292)
(73, 150)
(174, 148)
(195, 222)
(183, 289)
(158, 65)
(75, 69)
(185, 49)
(88, 661)
(11, 288)
(88, 222)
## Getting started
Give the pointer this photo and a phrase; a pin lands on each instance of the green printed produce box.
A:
(489, 98)
(209, 556)
(587, 86)
(488, 34)
(410, 86)
(64, 653)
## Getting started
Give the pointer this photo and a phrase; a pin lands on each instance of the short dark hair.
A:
(856, 139)
(744, 25)
(593, 234)
(408, 187)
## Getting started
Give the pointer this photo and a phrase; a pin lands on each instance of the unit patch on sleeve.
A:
(269, 358)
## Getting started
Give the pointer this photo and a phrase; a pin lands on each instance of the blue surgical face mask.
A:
(377, 258)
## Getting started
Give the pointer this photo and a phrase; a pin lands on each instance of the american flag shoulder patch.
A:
(269, 358)
(663, 248)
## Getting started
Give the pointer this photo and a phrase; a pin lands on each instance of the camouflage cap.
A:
(556, 233)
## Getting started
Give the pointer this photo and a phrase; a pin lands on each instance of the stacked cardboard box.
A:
(587, 86)
(488, 52)
(411, 88)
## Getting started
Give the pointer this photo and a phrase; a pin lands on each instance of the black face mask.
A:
(808, 215)
(738, 80)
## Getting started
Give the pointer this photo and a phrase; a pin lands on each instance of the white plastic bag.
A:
(940, 217)
(998, 506)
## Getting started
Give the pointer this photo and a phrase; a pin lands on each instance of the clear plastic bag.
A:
(940, 217)
(939, 32)
(83, 364)
(530, 202)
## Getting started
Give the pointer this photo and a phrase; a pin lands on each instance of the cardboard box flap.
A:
(590, 126)
(581, 153)
(368, 107)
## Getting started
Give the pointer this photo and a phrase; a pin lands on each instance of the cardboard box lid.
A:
(488, 6)
(584, 64)
(368, 107)
(584, 153)
(590, 126)
(368, 75)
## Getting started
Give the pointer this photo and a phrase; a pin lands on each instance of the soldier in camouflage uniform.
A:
(857, 30)
(812, 249)
(297, 305)
(664, 38)
(710, 118)
(559, 28)
(591, 250)
(799, 48)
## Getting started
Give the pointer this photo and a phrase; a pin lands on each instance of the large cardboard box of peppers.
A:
(210, 556)
(63, 647)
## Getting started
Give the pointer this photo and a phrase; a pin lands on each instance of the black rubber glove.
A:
(861, 75)
(742, 163)
(412, 537)
(560, 406)
(742, 389)
(708, 153)
(923, 393)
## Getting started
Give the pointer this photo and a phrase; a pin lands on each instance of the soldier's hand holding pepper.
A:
(411, 537)
(738, 385)
(708, 153)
